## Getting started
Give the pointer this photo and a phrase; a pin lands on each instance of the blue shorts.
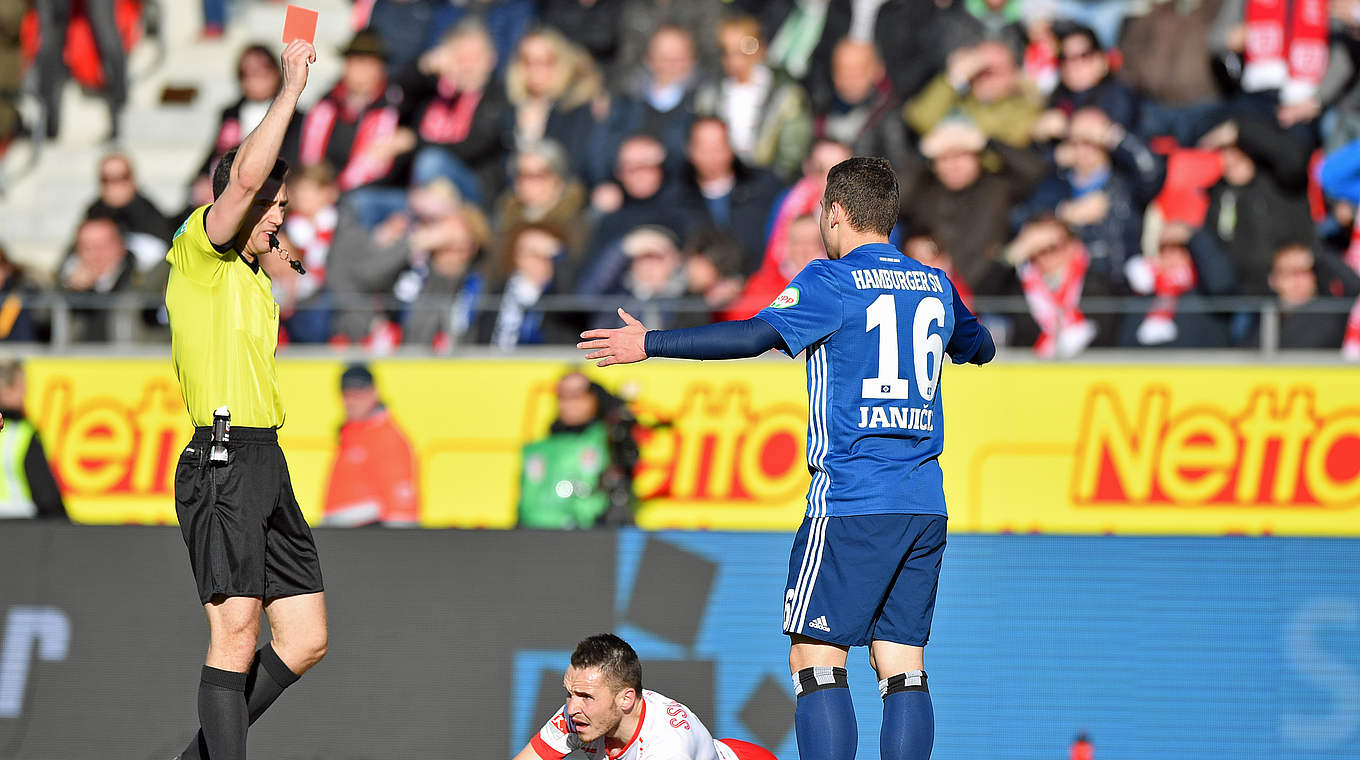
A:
(863, 578)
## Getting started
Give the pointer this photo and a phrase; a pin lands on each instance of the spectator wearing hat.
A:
(983, 83)
(347, 128)
(963, 193)
(722, 192)
(522, 282)
(654, 283)
(1104, 178)
(767, 112)
(373, 478)
(1186, 265)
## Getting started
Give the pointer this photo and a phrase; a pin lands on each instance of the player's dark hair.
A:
(222, 174)
(867, 189)
(613, 656)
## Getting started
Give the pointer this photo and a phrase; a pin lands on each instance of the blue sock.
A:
(908, 731)
(825, 716)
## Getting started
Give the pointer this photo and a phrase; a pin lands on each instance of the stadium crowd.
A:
(507, 172)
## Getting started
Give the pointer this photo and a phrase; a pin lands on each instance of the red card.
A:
(299, 24)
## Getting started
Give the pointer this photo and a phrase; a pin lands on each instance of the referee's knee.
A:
(301, 650)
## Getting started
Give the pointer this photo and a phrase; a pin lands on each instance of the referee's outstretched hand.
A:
(620, 345)
(296, 58)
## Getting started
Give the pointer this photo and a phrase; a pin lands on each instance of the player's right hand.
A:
(296, 58)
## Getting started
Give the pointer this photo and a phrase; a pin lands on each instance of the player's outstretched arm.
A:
(725, 340)
(258, 152)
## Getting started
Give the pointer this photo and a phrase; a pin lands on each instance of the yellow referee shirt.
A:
(224, 330)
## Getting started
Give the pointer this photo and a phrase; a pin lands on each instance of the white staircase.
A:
(39, 210)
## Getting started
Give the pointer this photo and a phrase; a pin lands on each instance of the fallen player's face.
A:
(592, 706)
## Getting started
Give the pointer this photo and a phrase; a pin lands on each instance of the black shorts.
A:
(242, 523)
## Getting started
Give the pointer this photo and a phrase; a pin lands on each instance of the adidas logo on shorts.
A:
(820, 624)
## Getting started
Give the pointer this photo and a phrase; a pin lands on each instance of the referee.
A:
(249, 546)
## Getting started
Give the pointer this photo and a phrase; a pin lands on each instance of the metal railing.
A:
(133, 320)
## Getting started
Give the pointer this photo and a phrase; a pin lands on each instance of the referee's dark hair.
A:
(867, 189)
(222, 174)
(613, 656)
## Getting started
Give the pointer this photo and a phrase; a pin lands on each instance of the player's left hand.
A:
(620, 345)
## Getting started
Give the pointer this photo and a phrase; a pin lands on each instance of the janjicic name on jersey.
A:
(905, 418)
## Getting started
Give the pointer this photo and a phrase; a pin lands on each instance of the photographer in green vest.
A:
(27, 488)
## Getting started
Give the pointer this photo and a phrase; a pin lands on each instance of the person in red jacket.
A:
(373, 479)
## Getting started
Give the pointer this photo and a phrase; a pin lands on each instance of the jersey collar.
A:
(636, 733)
(875, 249)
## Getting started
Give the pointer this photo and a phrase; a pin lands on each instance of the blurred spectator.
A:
(984, 84)
(16, 320)
(965, 204)
(522, 282)
(27, 487)
(797, 37)
(1167, 60)
(767, 113)
(581, 474)
(1085, 81)
(1040, 60)
(657, 100)
(446, 305)
(362, 268)
(259, 78)
(805, 197)
(923, 247)
(1187, 264)
(1299, 276)
(640, 19)
(146, 231)
(100, 266)
(1053, 272)
(11, 70)
(410, 27)
(655, 284)
(592, 24)
(552, 86)
(1105, 178)
(915, 39)
(453, 114)
(373, 478)
(1275, 48)
(1000, 20)
(54, 17)
(646, 199)
(350, 126)
(313, 216)
(862, 112)
(1259, 203)
(721, 191)
(1339, 93)
(543, 190)
(803, 243)
(713, 270)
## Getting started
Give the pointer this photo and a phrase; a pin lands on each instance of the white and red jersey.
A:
(667, 730)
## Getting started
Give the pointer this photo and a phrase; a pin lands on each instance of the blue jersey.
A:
(876, 325)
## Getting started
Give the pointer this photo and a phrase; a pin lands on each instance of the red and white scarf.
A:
(448, 118)
(1167, 286)
(376, 124)
(1065, 331)
(1285, 51)
(1350, 344)
(805, 197)
(313, 236)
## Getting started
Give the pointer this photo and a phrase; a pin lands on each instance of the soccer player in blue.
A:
(874, 326)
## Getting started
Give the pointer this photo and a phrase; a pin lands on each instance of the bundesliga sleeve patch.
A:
(787, 299)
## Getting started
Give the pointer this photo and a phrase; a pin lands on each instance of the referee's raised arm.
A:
(258, 152)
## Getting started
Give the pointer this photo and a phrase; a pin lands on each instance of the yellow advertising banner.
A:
(1134, 449)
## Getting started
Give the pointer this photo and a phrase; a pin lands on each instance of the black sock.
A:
(222, 713)
(267, 679)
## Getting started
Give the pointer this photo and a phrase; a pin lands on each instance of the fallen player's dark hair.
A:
(613, 656)
(222, 174)
(867, 189)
